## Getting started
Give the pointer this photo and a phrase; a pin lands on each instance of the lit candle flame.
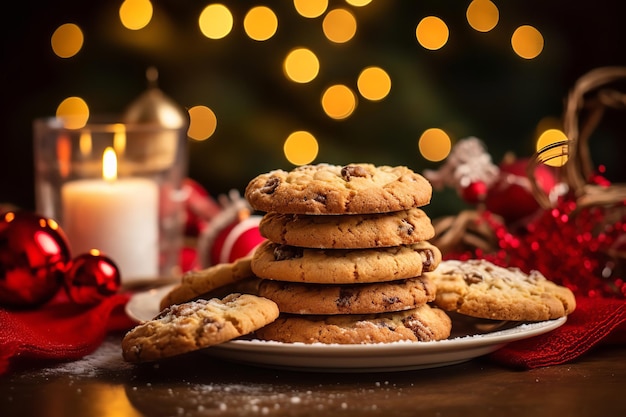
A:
(109, 164)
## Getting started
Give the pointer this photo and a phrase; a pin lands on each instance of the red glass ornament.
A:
(91, 277)
(33, 255)
(511, 195)
(475, 192)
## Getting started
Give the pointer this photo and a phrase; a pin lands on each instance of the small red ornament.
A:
(91, 277)
(237, 240)
(511, 195)
(229, 237)
(33, 255)
(474, 193)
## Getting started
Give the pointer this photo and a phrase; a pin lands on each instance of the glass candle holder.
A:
(117, 188)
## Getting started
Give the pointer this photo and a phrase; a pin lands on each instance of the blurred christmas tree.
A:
(473, 85)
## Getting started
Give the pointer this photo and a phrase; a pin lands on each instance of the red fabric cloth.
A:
(59, 330)
(594, 321)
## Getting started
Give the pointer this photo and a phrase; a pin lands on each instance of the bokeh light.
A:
(310, 8)
(260, 23)
(85, 143)
(74, 112)
(358, 3)
(202, 123)
(301, 148)
(434, 144)
(556, 156)
(339, 25)
(67, 40)
(64, 155)
(482, 15)
(119, 138)
(215, 21)
(135, 14)
(432, 33)
(338, 101)
(374, 83)
(527, 42)
(301, 65)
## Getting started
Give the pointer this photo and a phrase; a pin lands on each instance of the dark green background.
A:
(474, 86)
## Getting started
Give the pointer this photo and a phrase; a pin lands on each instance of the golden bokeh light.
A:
(202, 123)
(338, 101)
(215, 21)
(555, 156)
(374, 83)
(301, 65)
(339, 25)
(358, 3)
(260, 23)
(301, 148)
(74, 112)
(527, 42)
(85, 143)
(434, 145)
(135, 14)
(548, 122)
(482, 15)
(67, 40)
(432, 33)
(310, 8)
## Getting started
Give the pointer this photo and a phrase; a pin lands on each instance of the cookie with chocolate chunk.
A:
(334, 189)
(351, 231)
(186, 327)
(479, 288)
(299, 298)
(343, 266)
(421, 324)
(195, 283)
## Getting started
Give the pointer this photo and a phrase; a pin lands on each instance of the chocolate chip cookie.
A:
(348, 231)
(343, 266)
(196, 283)
(421, 324)
(186, 327)
(299, 298)
(333, 189)
(478, 288)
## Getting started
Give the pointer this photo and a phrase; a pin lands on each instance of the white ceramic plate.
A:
(383, 357)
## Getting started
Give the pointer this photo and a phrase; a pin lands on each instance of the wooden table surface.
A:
(198, 385)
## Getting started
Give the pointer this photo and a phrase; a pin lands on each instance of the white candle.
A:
(119, 217)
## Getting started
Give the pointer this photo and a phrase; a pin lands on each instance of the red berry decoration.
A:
(91, 277)
(33, 255)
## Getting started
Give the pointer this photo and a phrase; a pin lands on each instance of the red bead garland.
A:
(570, 245)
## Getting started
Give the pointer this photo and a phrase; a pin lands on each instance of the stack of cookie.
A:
(346, 252)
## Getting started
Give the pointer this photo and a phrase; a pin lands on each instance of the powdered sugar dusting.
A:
(108, 357)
